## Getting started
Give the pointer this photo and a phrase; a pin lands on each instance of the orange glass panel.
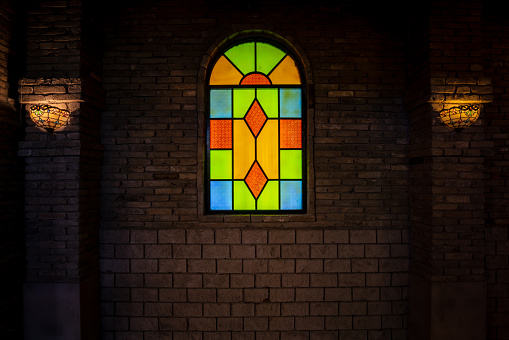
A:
(224, 73)
(291, 133)
(286, 73)
(243, 149)
(267, 149)
(255, 79)
(256, 180)
(221, 134)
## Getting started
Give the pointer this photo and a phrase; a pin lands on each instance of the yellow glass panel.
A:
(267, 149)
(243, 149)
(224, 73)
(286, 73)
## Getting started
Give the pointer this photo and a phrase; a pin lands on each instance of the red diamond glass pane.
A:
(255, 118)
(256, 179)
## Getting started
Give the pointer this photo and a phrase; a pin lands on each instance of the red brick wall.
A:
(340, 271)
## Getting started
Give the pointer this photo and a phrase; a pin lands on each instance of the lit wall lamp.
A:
(49, 117)
(49, 102)
(460, 117)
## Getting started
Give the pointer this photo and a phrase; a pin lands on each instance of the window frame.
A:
(304, 126)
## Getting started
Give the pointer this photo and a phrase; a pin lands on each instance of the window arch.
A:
(255, 159)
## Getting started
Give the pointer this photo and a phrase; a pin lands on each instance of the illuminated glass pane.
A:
(255, 79)
(267, 57)
(267, 149)
(221, 134)
(291, 164)
(256, 179)
(290, 103)
(269, 198)
(221, 103)
(286, 73)
(291, 133)
(220, 164)
(268, 99)
(255, 118)
(243, 57)
(221, 195)
(291, 195)
(242, 100)
(243, 149)
(224, 73)
(243, 199)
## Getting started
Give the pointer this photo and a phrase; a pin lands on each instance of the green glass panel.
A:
(220, 164)
(243, 56)
(242, 100)
(269, 198)
(242, 197)
(291, 164)
(268, 99)
(267, 57)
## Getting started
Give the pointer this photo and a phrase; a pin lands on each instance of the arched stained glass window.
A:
(255, 142)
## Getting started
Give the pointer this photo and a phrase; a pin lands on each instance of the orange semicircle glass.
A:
(255, 79)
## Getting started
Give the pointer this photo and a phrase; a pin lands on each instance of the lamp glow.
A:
(460, 117)
(49, 117)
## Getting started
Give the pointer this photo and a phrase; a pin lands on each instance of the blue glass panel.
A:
(291, 195)
(221, 103)
(290, 103)
(221, 195)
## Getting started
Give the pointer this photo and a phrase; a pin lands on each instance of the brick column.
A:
(62, 176)
(447, 292)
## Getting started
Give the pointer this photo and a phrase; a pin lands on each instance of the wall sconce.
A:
(460, 117)
(49, 117)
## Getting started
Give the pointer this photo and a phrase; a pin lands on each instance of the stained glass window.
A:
(255, 145)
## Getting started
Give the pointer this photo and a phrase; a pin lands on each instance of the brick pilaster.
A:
(62, 175)
(447, 191)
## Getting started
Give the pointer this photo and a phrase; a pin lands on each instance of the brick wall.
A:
(53, 36)
(382, 177)
(11, 177)
(167, 269)
(294, 282)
